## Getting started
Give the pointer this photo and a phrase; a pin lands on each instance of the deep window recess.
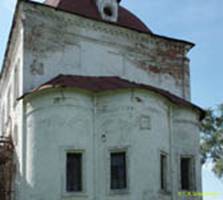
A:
(163, 172)
(74, 172)
(3, 119)
(118, 171)
(16, 84)
(186, 169)
(8, 103)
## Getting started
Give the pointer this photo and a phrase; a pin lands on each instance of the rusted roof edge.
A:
(191, 44)
(132, 85)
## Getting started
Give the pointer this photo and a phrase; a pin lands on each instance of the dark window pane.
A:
(73, 172)
(185, 173)
(118, 171)
(163, 172)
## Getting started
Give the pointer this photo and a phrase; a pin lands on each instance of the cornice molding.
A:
(186, 121)
(55, 15)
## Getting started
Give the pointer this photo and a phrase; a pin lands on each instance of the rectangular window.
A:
(16, 84)
(74, 172)
(163, 172)
(186, 173)
(118, 171)
(8, 103)
(3, 119)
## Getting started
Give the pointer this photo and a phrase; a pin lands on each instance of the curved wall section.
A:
(56, 123)
(136, 122)
(186, 142)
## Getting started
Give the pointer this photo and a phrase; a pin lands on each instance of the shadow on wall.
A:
(10, 177)
(6, 168)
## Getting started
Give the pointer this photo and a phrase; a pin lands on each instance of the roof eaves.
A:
(191, 44)
(126, 84)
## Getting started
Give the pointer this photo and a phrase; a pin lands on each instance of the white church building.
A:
(95, 106)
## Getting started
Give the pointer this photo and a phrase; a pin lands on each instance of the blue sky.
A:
(197, 21)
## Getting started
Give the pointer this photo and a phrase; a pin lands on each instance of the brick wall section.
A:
(167, 61)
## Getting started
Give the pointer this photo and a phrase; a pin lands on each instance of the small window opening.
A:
(163, 172)
(16, 85)
(186, 173)
(118, 171)
(108, 11)
(74, 172)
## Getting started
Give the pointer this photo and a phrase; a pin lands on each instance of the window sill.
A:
(74, 194)
(165, 192)
(119, 192)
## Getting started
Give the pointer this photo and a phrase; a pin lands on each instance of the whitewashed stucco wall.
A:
(10, 89)
(58, 42)
(186, 134)
(58, 120)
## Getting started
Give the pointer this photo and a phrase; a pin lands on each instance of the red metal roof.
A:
(89, 9)
(108, 83)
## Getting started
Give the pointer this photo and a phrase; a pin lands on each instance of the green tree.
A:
(212, 139)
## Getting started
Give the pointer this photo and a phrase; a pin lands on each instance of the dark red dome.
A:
(89, 9)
